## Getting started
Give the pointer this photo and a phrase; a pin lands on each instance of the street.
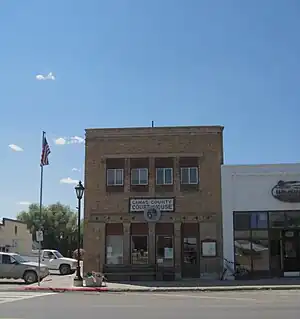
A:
(225, 305)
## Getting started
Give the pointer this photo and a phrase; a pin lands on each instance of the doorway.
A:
(291, 252)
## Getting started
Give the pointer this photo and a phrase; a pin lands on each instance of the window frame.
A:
(164, 175)
(189, 175)
(139, 178)
(115, 176)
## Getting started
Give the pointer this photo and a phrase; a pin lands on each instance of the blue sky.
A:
(126, 62)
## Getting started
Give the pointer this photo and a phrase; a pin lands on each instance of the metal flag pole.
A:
(40, 214)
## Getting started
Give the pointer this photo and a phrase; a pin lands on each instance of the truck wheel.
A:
(30, 277)
(64, 270)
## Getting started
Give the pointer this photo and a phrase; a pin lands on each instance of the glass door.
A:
(291, 251)
(190, 258)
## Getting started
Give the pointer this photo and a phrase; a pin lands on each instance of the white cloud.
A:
(24, 203)
(41, 77)
(68, 180)
(75, 169)
(16, 148)
(69, 140)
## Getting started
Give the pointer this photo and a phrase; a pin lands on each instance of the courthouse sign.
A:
(162, 204)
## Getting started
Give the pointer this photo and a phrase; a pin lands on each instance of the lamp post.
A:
(79, 189)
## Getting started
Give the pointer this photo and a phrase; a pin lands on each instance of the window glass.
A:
(119, 177)
(241, 234)
(259, 220)
(110, 177)
(168, 176)
(164, 176)
(292, 219)
(139, 249)
(262, 234)
(164, 250)
(243, 253)
(7, 259)
(185, 175)
(190, 250)
(143, 176)
(114, 249)
(139, 176)
(193, 175)
(160, 176)
(135, 176)
(260, 258)
(241, 221)
(277, 219)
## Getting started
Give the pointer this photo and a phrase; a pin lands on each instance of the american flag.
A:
(45, 153)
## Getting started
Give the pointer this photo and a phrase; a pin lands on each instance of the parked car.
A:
(13, 266)
(54, 260)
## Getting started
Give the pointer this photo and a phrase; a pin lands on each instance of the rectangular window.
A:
(139, 250)
(189, 175)
(164, 176)
(241, 221)
(277, 219)
(114, 249)
(139, 176)
(115, 177)
(259, 220)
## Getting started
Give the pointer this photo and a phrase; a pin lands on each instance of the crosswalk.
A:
(12, 296)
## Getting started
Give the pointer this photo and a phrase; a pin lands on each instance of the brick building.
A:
(153, 202)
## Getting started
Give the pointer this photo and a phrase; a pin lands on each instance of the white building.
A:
(261, 218)
(15, 237)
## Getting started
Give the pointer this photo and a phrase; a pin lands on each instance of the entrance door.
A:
(291, 252)
(190, 258)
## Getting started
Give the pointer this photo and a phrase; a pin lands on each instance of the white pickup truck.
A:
(54, 260)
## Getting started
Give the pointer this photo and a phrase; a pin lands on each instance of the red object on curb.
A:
(82, 289)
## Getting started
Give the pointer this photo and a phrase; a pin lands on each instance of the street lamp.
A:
(79, 189)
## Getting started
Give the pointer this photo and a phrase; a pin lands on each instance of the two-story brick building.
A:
(153, 202)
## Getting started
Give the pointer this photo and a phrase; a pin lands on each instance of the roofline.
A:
(10, 220)
(148, 131)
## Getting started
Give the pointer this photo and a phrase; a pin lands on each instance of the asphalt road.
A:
(228, 305)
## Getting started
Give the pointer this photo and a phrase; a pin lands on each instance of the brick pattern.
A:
(204, 205)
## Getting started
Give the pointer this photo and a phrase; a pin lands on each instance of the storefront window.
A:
(114, 249)
(259, 220)
(241, 221)
(139, 249)
(292, 219)
(190, 250)
(277, 219)
(243, 253)
(164, 251)
(260, 257)
(241, 234)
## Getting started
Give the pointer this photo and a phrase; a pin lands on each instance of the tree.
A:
(59, 224)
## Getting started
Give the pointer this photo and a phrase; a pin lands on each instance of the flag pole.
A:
(40, 213)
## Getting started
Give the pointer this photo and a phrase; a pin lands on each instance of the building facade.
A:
(153, 202)
(261, 218)
(15, 237)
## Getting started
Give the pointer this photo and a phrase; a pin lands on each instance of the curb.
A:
(158, 289)
(63, 289)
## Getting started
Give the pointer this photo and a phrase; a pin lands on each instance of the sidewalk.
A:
(65, 283)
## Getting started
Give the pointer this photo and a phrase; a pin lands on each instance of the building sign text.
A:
(140, 204)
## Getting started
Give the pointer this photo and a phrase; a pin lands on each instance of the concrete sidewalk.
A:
(65, 283)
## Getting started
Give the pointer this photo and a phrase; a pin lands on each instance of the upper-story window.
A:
(115, 177)
(164, 176)
(189, 175)
(139, 176)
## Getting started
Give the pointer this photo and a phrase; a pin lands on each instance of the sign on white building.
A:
(162, 204)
